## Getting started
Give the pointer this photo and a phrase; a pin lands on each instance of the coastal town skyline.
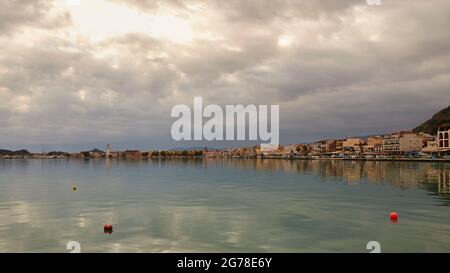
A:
(230, 145)
(425, 129)
(398, 145)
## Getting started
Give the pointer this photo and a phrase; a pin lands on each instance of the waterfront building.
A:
(290, 150)
(401, 143)
(132, 154)
(95, 153)
(212, 153)
(352, 142)
(248, 152)
(410, 142)
(431, 147)
(372, 149)
(331, 146)
(310, 147)
(374, 145)
(339, 145)
(320, 146)
(76, 155)
(375, 141)
(391, 144)
(426, 138)
(352, 145)
(443, 138)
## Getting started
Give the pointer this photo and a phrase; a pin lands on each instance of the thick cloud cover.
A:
(75, 75)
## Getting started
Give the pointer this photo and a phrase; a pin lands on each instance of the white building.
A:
(443, 138)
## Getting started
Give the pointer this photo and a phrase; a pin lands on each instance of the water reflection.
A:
(444, 182)
(429, 175)
(230, 205)
(432, 176)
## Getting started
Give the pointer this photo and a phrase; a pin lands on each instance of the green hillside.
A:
(430, 126)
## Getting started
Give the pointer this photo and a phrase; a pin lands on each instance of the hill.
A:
(430, 126)
(13, 153)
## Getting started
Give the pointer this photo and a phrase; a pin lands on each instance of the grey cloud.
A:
(15, 14)
(351, 69)
(254, 10)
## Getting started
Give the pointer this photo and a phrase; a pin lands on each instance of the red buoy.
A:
(108, 229)
(394, 216)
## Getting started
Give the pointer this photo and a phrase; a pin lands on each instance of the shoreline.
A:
(389, 159)
(436, 160)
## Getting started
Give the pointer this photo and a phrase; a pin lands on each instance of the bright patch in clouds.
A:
(170, 28)
(82, 94)
(284, 41)
(101, 19)
(22, 104)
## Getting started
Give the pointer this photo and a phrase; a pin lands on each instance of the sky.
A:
(77, 74)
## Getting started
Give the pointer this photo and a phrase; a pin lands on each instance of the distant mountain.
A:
(12, 153)
(97, 151)
(430, 126)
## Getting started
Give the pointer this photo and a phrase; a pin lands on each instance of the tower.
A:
(108, 152)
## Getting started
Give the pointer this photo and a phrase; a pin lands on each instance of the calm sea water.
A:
(218, 205)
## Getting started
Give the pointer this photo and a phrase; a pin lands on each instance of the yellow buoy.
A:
(74, 188)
